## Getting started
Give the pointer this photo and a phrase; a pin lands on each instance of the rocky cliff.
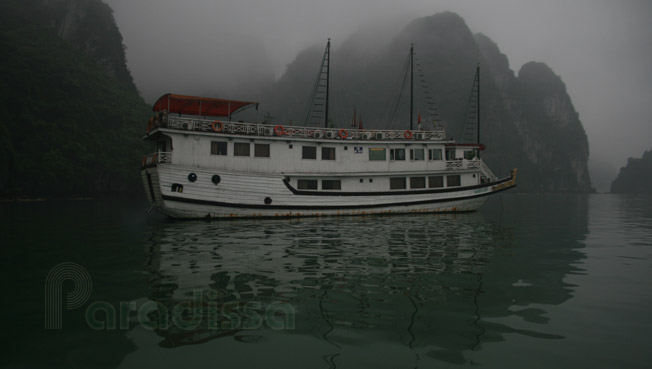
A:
(548, 130)
(528, 120)
(87, 25)
(72, 119)
(635, 177)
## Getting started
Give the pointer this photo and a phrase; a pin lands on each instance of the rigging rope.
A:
(397, 102)
(310, 108)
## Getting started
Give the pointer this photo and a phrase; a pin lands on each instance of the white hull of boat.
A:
(267, 195)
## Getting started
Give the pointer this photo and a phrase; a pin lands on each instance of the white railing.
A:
(453, 164)
(164, 157)
(155, 158)
(463, 164)
(207, 125)
(473, 164)
(486, 171)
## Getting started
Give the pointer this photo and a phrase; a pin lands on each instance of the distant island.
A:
(635, 177)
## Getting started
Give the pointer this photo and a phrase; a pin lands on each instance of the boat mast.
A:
(328, 78)
(411, 82)
(317, 107)
(477, 73)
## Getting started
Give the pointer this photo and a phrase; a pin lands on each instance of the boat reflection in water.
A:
(423, 285)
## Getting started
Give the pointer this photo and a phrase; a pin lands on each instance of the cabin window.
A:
(331, 184)
(469, 154)
(452, 181)
(450, 154)
(397, 183)
(434, 154)
(327, 153)
(218, 148)
(417, 182)
(377, 154)
(307, 184)
(261, 150)
(417, 154)
(241, 149)
(396, 154)
(436, 181)
(309, 152)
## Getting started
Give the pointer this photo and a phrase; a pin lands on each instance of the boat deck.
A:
(258, 129)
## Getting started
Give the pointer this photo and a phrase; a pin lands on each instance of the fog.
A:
(600, 48)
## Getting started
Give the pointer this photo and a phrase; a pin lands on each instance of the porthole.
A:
(192, 177)
(216, 179)
(268, 200)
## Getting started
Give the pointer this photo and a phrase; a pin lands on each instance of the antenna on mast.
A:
(411, 83)
(327, 60)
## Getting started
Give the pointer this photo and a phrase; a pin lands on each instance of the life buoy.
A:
(279, 130)
(217, 126)
(343, 133)
(408, 134)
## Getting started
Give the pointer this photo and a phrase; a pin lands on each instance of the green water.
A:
(530, 281)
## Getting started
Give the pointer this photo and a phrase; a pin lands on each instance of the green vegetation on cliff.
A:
(67, 126)
(636, 177)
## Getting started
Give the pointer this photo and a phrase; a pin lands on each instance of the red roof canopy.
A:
(203, 106)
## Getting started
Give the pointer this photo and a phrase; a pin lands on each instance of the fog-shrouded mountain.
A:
(527, 120)
(87, 25)
(72, 117)
(635, 177)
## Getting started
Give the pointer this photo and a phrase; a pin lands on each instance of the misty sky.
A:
(600, 48)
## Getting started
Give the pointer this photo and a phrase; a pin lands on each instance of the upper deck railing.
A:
(253, 129)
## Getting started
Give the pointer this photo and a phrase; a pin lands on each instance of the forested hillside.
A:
(71, 117)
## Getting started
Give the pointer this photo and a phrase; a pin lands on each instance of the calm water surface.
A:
(534, 281)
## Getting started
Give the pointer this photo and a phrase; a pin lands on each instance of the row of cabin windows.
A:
(395, 183)
(328, 153)
(240, 149)
(326, 184)
(400, 183)
(375, 154)
(380, 154)
(310, 152)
